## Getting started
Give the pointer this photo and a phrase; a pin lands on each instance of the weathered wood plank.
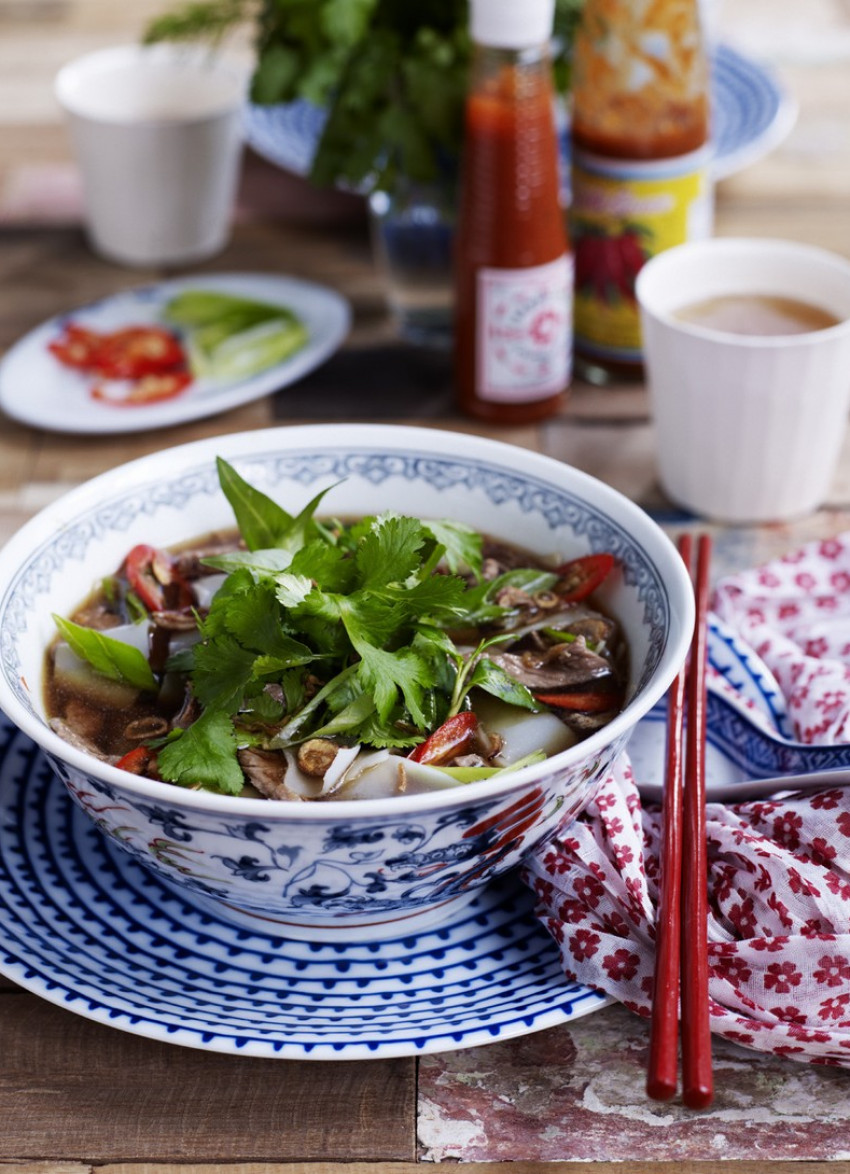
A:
(576, 1093)
(17, 1167)
(75, 1090)
(520, 1167)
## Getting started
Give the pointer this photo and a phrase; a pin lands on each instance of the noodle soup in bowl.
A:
(363, 867)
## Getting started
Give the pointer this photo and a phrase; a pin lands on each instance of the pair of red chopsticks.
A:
(682, 925)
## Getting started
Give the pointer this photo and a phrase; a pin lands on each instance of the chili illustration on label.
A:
(623, 214)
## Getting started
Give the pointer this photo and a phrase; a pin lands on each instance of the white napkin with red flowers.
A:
(779, 870)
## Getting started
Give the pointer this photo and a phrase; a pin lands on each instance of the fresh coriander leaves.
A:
(389, 551)
(222, 671)
(391, 74)
(366, 608)
(326, 629)
(204, 755)
(244, 641)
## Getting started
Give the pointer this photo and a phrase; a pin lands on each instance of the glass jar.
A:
(412, 234)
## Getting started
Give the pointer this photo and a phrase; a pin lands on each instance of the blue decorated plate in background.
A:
(750, 734)
(752, 114)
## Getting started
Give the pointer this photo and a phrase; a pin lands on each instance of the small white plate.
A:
(37, 389)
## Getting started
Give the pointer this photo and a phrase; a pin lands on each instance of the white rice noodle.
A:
(134, 634)
(377, 774)
(297, 781)
(206, 587)
(523, 732)
(335, 773)
(390, 775)
(77, 675)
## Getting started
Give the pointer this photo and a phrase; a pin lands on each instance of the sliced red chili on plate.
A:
(77, 347)
(455, 736)
(147, 364)
(580, 577)
(135, 351)
(149, 389)
(581, 702)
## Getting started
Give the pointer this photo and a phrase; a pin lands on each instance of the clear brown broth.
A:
(105, 725)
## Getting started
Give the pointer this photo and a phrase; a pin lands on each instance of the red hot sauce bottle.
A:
(513, 304)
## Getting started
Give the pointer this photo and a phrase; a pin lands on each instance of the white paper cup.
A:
(748, 428)
(157, 132)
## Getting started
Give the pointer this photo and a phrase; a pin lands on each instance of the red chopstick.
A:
(682, 924)
(697, 1078)
(662, 1069)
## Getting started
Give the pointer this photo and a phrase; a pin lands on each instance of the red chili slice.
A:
(132, 353)
(581, 702)
(139, 761)
(149, 389)
(152, 389)
(138, 567)
(139, 350)
(455, 736)
(77, 347)
(579, 578)
(151, 576)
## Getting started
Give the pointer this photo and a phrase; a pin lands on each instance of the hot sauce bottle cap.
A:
(511, 24)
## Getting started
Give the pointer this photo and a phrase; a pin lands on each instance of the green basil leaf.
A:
(261, 521)
(112, 658)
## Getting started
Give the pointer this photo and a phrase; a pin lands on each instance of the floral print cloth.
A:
(779, 870)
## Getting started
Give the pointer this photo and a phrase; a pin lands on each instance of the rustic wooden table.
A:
(76, 1094)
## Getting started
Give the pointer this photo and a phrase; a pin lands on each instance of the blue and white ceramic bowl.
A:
(369, 868)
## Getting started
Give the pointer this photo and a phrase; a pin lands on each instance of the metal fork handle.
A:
(759, 788)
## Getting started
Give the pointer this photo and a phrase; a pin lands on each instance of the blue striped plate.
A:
(84, 926)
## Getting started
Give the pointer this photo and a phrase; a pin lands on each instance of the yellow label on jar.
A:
(623, 213)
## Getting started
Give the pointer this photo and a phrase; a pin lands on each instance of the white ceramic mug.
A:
(157, 132)
(748, 428)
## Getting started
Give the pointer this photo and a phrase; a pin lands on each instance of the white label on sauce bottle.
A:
(524, 331)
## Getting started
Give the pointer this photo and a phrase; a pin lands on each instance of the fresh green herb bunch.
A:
(327, 629)
(391, 74)
(348, 622)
